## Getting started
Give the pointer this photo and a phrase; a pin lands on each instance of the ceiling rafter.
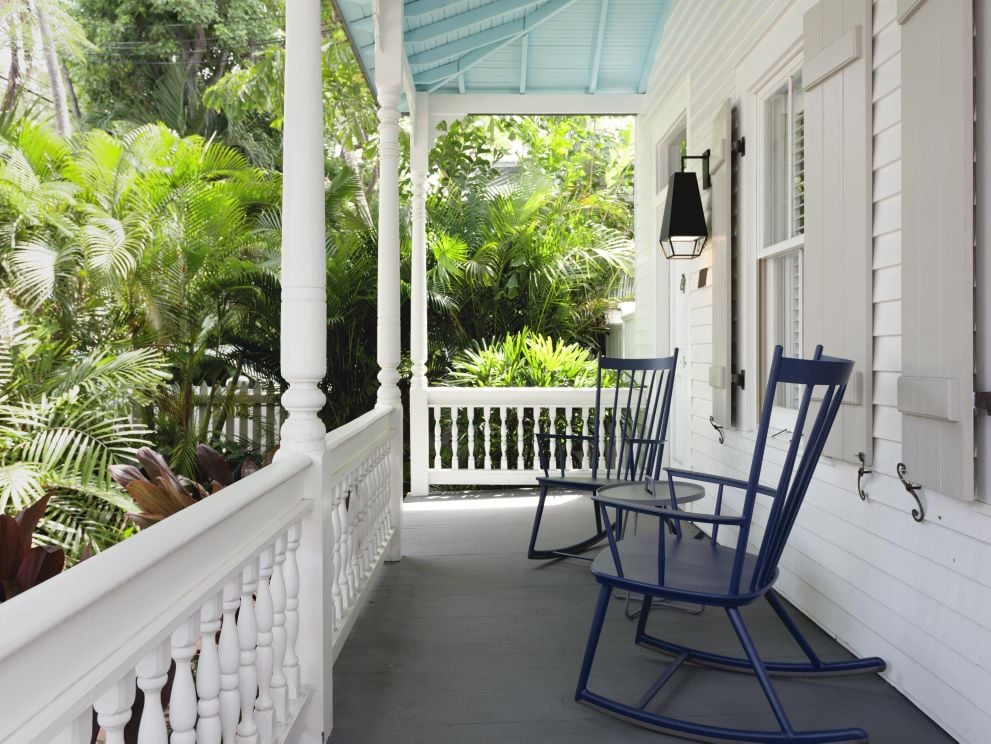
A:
(648, 64)
(422, 7)
(599, 35)
(524, 50)
(438, 76)
(490, 12)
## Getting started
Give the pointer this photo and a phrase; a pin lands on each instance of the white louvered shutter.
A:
(837, 206)
(722, 264)
(935, 391)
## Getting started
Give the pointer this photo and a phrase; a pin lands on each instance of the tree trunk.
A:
(62, 121)
(13, 79)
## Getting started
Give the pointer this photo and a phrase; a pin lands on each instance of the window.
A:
(782, 224)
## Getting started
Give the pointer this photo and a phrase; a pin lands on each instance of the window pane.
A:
(776, 191)
(782, 305)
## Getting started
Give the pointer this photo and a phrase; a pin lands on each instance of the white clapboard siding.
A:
(720, 313)
(838, 207)
(919, 595)
(935, 392)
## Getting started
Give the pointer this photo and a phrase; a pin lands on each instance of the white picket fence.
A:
(256, 419)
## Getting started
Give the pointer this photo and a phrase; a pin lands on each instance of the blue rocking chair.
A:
(727, 576)
(632, 400)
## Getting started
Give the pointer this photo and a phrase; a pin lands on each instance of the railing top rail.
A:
(340, 435)
(349, 443)
(510, 396)
(66, 640)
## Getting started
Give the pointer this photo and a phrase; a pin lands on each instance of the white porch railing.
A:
(216, 589)
(357, 490)
(487, 436)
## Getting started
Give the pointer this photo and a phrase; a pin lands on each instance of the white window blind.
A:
(835, 180)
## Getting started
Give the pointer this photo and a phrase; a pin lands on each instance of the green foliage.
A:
(524, 359)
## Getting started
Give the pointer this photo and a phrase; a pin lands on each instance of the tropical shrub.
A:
(64, 418)
(524, 359)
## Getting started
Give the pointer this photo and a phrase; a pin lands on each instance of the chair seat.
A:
(694, 570)
(588, 483)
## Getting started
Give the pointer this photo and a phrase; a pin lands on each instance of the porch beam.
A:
(453, 104)
(423, 7)
(303, 334)
(489, 12)
(440, 75)
(599, 34)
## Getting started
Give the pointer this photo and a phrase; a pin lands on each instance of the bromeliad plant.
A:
(160, 493)
(22, 565)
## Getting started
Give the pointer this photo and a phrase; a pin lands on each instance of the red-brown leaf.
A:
(40, 564)
(214, 465)
(151, 498)
(28, 520)
(155, 465)
(124, 474)
(248, 467)
(11, 547)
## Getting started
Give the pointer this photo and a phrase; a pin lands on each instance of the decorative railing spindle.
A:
(437, 460)
(487, 437)
(292, 611)
(520, 457)
(208, 728)
(229, 658)
(247, 634)
(264, 617)
(152, 674)
(182, 704)
(113, 709)
(455, 460)
(471, 461)
(280, 696)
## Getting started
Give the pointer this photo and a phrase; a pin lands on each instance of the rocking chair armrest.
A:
(666, 512)
(719, 480)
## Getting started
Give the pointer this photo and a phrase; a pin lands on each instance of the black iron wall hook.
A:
(719, 430)
(861, 472)
(913, 488)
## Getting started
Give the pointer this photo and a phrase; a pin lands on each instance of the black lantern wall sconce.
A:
(683, 229)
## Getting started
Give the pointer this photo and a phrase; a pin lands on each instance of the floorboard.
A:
(465, 641)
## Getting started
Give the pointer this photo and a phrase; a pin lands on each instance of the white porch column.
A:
(388, 81)
(304, 336)
(419, 416)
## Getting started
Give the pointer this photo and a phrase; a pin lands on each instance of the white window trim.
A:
(782, 419)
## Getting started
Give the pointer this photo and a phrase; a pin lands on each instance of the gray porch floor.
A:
(466, 641)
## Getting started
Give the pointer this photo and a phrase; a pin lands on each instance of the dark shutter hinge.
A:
(740, 146)
(982, 402)
(739, 379)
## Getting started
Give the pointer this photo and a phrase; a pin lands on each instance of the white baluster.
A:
(153, 673)
(280, 695)
(437, 461)
(80, 731)
(182, 704)
(471, 462)
(455, 462)
(520, 461)
(338, 587)
(264, 615)
(503, 444)
(569, 444)
(536, 443)
(347, 565)
(247, 636)
(487, 437)
(292, 611)
(230, 657)
(208, 728)
(113, 708)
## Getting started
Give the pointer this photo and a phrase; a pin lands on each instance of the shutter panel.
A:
(838, 252)
(721, 170)
(935, 391)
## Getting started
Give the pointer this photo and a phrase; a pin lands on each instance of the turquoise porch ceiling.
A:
(520, 46)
